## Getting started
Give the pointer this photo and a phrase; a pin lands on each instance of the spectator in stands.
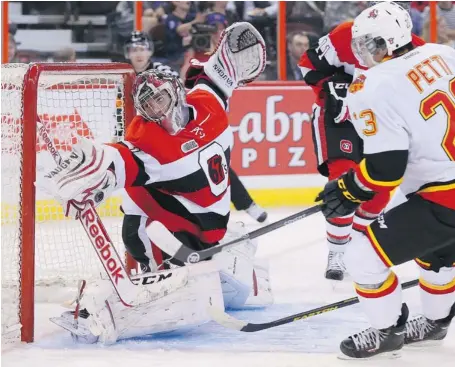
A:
(247, 10)
(305, 15)
(203, 44)
(443, 37)
(337, 12)
(416, 11)
(298, 43)
(178, 27)
(139, 51)
(262, 15)
(446, 10)
(66, 54)
(154, 13)
(149, 20)
(12, 48)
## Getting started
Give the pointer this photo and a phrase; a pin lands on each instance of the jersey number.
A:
(447, 102)
(214, 164)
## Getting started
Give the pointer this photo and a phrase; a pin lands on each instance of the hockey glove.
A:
(83, 177)
(342, 196)
(238, 59)
(194, 73)
(335, 91)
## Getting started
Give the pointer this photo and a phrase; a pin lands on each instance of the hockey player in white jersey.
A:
(174, 167)
(403, 106)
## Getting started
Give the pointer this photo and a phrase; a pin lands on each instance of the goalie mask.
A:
(161, 98)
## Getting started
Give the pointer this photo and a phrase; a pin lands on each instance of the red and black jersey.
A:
(182, 180)
(333, 54)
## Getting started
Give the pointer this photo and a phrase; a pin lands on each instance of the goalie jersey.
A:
(404, 110)
(182, 180)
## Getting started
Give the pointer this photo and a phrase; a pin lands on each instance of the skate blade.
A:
(67, 325)
(381, 356)
(424, 344)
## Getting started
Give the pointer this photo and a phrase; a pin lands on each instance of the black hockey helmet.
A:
(138, 39)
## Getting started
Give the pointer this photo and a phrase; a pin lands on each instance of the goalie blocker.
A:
(174, 167)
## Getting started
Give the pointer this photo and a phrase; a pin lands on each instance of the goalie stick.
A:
(97, 234)
(230, 322)
(167, 242)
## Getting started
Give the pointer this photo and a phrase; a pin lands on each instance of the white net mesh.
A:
(70, 105)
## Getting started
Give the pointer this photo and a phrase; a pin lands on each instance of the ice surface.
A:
(297, 257)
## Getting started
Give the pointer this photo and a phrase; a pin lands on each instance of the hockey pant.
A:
(239, 195)
(417, 229)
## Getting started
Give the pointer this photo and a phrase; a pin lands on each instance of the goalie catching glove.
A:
(239, 58)
(343, 196)
(83, 177)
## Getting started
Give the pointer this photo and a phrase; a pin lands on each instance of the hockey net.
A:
(44, 254)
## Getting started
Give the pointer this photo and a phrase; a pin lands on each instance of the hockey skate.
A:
(335, 266)
(371, 342)
(80, 326)
(421, 331)
(257, 213)
(77, 322)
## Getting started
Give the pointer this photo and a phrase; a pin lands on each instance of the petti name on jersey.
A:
(428, 71)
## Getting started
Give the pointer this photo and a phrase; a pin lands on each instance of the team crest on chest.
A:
(358, 84)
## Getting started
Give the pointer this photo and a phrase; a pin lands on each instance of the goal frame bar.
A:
(28, 193)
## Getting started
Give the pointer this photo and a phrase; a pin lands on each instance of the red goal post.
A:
(55, 77)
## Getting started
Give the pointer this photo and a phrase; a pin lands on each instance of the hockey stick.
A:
(230, 322)
(167, 242)
(97, 234)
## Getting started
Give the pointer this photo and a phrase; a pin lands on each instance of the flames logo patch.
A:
(358, 84)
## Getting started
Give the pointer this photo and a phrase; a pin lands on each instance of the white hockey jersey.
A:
(404, 109)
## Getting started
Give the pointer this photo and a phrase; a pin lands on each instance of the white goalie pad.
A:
(180, 307)
(261, 293)
(244, 279)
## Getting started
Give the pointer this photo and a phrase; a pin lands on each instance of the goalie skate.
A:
(81, 331)
(77, 322)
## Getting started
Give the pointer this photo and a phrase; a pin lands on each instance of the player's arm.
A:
(333, 54)
(132, 166)
(93, 171)
(386, 145)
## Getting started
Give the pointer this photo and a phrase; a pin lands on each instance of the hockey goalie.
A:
(174, 168)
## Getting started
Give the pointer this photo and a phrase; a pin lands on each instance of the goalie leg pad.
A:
(179, 308)
(261, 293)
(236, 268)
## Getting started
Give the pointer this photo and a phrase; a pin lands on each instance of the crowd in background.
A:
(181, 30)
